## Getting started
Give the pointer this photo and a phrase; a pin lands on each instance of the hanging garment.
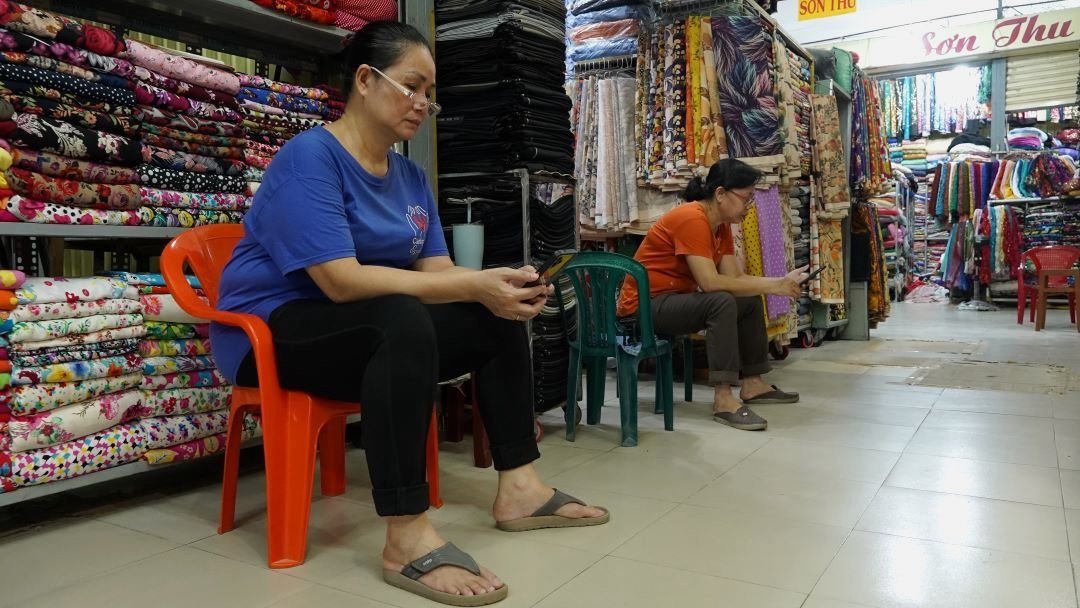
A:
(829, 155)
(773, 246)
(831, 251)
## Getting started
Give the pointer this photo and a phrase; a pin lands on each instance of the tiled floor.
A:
(870, 493)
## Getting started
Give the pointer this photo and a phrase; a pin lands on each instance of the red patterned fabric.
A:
(355, 14)
(301, 9)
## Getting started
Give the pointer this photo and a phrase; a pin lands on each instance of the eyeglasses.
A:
(432, 108)
(747, 201)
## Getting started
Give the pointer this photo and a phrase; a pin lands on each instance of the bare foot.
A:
(753, 387)
(408, 538)
(521, 493)
(726, 404)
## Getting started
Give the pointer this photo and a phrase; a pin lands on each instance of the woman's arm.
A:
(731, 279)
(438, 263)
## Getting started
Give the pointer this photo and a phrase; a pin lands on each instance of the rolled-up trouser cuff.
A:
(412, 500)
(756, 369)
(514, 455)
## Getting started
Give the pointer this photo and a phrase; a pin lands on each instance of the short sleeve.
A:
(300, 219)
(693, 236)
(435, 243)
(726, 242)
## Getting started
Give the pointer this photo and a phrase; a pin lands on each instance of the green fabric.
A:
(845, 65)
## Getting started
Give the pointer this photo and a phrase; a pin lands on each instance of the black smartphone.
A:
(552, 267)
(813, 274)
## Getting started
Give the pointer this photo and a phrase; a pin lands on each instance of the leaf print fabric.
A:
(66, 354)
(80, 117)
(49, 135)
(118, 445)
(36, 331)
(73, 193)
(74, 421)
(163, 431)
(156, 366)
(196, 379)
(829, 154)
(77, 370)
(181, 401)
(55, 165)
(743, 53)
(36, 398)
(157, 330)
(106, 335)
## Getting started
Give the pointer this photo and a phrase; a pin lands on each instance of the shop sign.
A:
(816, 9)
(1000, 37)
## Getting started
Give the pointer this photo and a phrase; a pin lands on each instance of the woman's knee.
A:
(719, 304)
(405, 323)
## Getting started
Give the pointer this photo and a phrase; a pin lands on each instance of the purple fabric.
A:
(773, 247)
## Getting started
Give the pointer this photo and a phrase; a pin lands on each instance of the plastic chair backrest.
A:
(1052, 257)
(597, 277)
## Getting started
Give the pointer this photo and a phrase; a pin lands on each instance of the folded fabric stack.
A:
(598, 29)
(66, 113)
(799, 211)
(799, 68)
(267, 127)
(509, 111)
(71, 396)
(318, 11)
(335, 101)
(896, 153)
(185, 399)
(193, 161)
(915, 157)
(1027, 138)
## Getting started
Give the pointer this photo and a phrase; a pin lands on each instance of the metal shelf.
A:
(87, 232)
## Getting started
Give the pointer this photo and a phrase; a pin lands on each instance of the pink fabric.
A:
(181, 68)
(355, 14)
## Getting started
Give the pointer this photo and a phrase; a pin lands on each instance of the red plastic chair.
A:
(294, 423)
(1032, 287)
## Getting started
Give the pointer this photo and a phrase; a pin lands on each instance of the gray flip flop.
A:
(545, 516)
(774, 396)
(447, 555)
(743, 419)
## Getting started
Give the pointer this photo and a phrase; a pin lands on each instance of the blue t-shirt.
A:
(317, 204)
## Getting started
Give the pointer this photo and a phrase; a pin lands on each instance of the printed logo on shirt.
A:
(417, 217)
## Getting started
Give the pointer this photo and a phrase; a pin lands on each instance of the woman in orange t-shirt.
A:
(695, 283)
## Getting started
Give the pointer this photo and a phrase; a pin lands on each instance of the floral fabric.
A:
(44, 91)
(36, 331)
(163, 431)
(40, 290)
(195, 138)
(74, 421)
(36, 398)
(167, 118)
(831, 248)
(257, 161)
(282, 101)
(194, 200)
(68, 84)
(71, 310)
(55, 165)
(181, 401)
(186, 89)
(173, 348)
(157, 330)
(235, 153)
(73, 193)
(80, 117)
(180, 68)
(29, 20)
(119, 445)
(198, 448)
(50, 356)
(186, 218)
(105, 335)
(829, 154)
(182, 161)
(49, 135)
(108, 367)
(260, 82)
(186, 181)
(11, 40)
(157, 366)
(196, 379)
(164, 308)
(149, 95)
(27, 210)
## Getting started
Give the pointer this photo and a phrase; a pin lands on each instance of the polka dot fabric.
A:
(773, 250)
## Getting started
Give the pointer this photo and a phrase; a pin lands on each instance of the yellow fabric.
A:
(5, 160)
(752, 243)
(695, 60)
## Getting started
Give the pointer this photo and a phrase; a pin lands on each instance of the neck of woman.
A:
(362, 139)
(712, 213)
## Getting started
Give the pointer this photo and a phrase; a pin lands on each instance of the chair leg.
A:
(1033, 302)
(454, 414)
(1072, 308)
(669, 393)
(227, 518)
(1040, 311)
(332, 457)
(290, 447)
(481, 446)
(573, 390)
(628, 402)
(663, 381)
(688, 369)
(434, 490)
(597, 377)
(1020, 301)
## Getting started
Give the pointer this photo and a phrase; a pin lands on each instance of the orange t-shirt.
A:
(683, 231)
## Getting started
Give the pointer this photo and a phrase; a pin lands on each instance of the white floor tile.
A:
(1018, 483)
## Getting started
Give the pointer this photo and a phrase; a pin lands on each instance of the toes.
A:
(492, 580)
(478, 587)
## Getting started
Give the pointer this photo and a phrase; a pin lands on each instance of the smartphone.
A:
(553, 266)
(812, 275)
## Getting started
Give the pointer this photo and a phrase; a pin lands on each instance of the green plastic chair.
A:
(597, 277)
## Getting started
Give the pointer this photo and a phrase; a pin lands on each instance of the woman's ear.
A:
(362, 78)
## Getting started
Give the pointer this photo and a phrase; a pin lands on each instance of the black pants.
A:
(735, 336)
(389, 354)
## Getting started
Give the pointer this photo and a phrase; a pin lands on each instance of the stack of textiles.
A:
(510, 110)
(194, 144)
(799, 211)
(914, 157)
(318, 11)
(353, 15)
(185, 399)
(604, 158)
(942, 102)
(1042, 175)
(70, 398)
(599, 29)
(871, 171)
(962, 186)
(66, 113)
(1027, 138)
(896, 153)
(1045, 225)
(800, 77)
(335, 102)
(282, 99)
(267, 128)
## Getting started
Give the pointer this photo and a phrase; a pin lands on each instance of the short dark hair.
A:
(379, 44)
(728, 173)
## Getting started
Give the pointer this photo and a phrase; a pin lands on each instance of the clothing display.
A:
(942, 102)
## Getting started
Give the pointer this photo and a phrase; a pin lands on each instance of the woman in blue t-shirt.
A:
(344, 257)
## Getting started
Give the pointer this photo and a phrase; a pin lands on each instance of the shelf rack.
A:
(79, 231)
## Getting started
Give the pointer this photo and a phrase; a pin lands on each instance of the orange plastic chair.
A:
(1054, 260)
(294, 423)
